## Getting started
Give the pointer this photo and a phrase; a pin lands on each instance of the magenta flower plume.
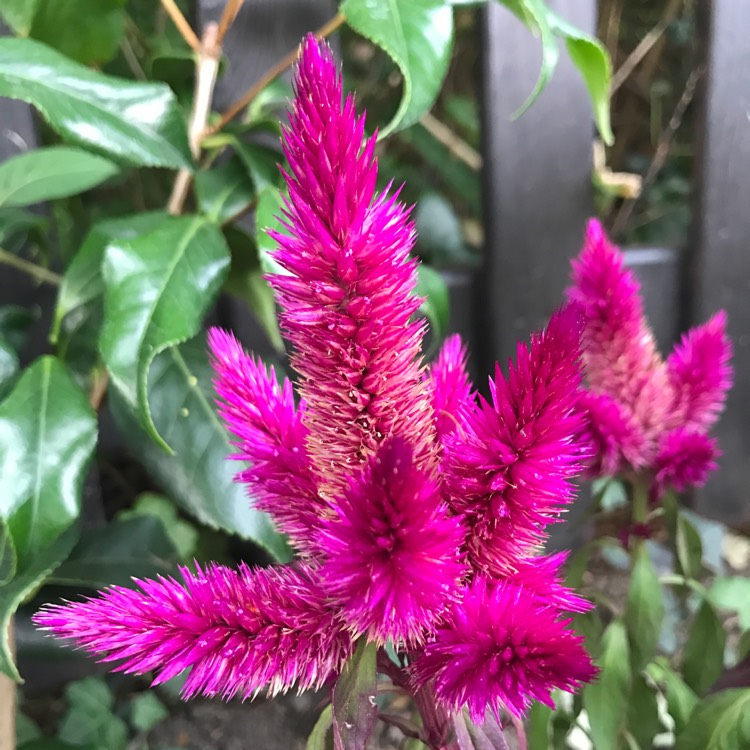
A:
(452, 393)
(502, 647)
(271, 437)
(239, 631)
(347, 297)
(645, 415)
(701, 374)
(393, 563)
(510, 468)
(541, 576)
(685, 459)
(395, 484)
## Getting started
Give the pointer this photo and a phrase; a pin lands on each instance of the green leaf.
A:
(16, 227)
(182, 534)
(261, 163)
(703, 655)
(26, 730)
(14, 324)
(224, 191)
(681, 700)
(538, 726)
(418, 36)
(585, 51)
(52, 172)
(689, 548)
(90, 718)
(158, 286)
(147, 711)
(19, 14)
(85, 30)
(9, 366)
(732, 593)
(643, 712)
(319, 734)
(436, 305)
(26, 581)
(117, 553)
(198, 476)
(138, 123)
(606, 699)
(47, 436)
(645, 608)
(441, 240)
(354, 708)
(82, 281)
(8, 560)
(721, 722)
(270, 205)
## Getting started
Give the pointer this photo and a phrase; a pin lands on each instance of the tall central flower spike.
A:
(647, 415)
(416, 508)
(348, 299)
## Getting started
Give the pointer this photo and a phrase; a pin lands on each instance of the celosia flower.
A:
(502, 646)
(646, 415)
(391, 549)
(452, 393)
(509, 469)
(386, 476)
(238, 631)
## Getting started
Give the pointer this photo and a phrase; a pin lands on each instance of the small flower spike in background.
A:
(649, 418)
(416, 509)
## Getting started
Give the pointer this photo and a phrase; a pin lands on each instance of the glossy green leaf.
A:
(17, 225)
(261, 163)
(14, 324)
(85, 30)
(90, 719)
(586, 53)
(721, 722)
(440, 239)
(25, 582)
(270, 205)
(224, 191)
(52, 172)
(681, 700)
(645, 608)
(418, 36)
(606, 699)
(354, 708)
(9, 366)
(82, 281)
(436, 305)
(198, 476)
(8, 560)
(643, 712)
(319, 735)
(117, 553)
(19, 14)
(703, 655)
(138, 123)
(689, 547)
(158, 287)
(182, 534)
(47, 436)
(732, 593)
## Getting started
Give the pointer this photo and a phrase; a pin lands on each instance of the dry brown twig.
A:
(231, 9)
(182, 24)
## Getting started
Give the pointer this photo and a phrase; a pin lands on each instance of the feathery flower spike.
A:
(509, 472)
(452, 393)
(270, 437)
(502, 647)
(239, 630)
(347, 298)
(392, 552)
(646, 415)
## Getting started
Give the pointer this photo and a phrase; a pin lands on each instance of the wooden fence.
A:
(537, 188)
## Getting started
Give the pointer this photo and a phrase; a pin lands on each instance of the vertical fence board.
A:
(719, 267)
(537, 179)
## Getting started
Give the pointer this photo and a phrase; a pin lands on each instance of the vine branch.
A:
(182, 24)
(32, 269)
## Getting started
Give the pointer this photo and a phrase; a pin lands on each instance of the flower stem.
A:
(32, 269)
(640, 502)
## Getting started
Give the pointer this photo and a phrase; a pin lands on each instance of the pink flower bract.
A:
(502, 647)
(393, 562)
